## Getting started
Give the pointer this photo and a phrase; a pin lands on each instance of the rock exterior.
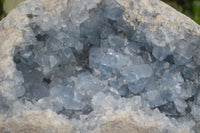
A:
(99, 66)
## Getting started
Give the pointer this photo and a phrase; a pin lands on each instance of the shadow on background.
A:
(190, 8)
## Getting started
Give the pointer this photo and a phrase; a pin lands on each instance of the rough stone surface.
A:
(104, 66)
(36, 122)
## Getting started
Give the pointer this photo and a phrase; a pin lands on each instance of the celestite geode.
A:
(99, 66)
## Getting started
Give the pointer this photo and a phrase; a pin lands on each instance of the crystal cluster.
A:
(87, 61)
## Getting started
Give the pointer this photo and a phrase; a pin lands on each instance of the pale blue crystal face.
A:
(64, 96)
(134, 73)
(92, 50)
(155, 97)
(195, 112)
(87, 86)
(180, 104)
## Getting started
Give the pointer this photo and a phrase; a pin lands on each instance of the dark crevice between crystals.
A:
(190, 101)
(170, 110)
(83, 58)
(42, 37)
(75, 114)
(47, 80)
(169, 59)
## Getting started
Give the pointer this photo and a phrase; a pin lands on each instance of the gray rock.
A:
(99, 66)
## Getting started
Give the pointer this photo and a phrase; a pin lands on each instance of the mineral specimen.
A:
(99, 66)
